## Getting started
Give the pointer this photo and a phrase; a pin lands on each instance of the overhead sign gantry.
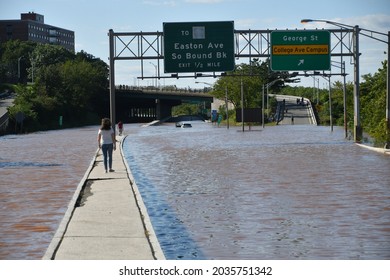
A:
(302, 50)
(201, 47)
(198, 47)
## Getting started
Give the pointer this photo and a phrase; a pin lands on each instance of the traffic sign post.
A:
(300, 50)
(198, 47)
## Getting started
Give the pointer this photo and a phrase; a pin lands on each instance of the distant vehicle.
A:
(183, 124)
(186, 125)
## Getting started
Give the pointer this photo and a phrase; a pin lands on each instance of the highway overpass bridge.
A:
(296, 110)
(146, 104)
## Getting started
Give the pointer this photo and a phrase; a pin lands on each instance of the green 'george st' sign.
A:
(300, 50)
(198, 47)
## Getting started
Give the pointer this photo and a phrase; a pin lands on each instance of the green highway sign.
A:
(300, 50)
(198, 47)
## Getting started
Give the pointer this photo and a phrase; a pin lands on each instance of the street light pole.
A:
(358, 132)
(345, 101)
(226, 100)
(330, 105)
(357, 31)
(155, 68)
(262, 108)
(242, 106)
(19, 68)
(342, 67)
(266, 86)
(227, 106)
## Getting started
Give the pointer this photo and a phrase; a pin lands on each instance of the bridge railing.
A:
(4, 122)
(163, 89)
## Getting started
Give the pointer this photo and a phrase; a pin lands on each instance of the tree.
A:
(81, 81)
(185, 109)
(44, 55)
(14, 60)
(23, 105)
(252, 77)
(373, 104)
(338, 103)
(65, 84)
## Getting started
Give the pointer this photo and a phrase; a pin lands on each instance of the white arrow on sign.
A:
(301, 61)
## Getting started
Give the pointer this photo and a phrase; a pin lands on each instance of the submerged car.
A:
(186, 125)
(183, 124)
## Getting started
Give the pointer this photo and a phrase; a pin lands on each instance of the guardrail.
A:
(4, 94)
(311, 112)
(305, 100)
(4, 121)
(163, 89)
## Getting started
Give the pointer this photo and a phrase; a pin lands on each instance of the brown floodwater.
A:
(283, 192)
(39, 173)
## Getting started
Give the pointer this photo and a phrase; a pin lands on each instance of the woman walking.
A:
(107, 142)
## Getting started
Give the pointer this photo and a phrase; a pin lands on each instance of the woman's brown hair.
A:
(106, 124)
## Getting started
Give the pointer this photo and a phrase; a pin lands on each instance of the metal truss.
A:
(138, 45)
(251, 44)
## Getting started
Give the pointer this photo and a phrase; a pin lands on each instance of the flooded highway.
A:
(39, 173)
(283, 192)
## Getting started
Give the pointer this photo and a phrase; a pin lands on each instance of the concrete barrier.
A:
(106, 218)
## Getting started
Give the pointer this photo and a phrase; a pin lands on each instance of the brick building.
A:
(31, 27)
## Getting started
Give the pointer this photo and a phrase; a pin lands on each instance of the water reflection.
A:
(286, 192)
(19, 164)
(39, 174)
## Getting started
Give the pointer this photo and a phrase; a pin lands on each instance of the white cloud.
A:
(170, 3)
(245, 23)
(204, 1)
(380, 22)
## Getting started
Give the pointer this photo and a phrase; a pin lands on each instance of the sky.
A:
(91, 21)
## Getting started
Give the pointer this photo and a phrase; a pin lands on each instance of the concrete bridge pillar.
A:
(158, 109)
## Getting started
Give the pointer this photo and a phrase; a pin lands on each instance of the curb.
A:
(378, 150)
(151, 235)
(57, 238)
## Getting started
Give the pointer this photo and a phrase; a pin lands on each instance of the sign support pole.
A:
(387, 145)
(242, 106)
(356, 87)
(112, 79)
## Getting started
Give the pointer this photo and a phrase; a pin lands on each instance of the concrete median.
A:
(106, 219)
